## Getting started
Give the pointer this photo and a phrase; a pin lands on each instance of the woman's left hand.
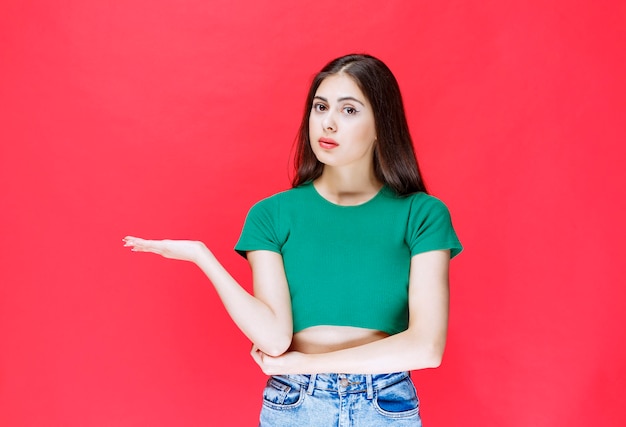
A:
(291, 362)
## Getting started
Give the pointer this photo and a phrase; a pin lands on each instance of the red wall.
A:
(169, 119)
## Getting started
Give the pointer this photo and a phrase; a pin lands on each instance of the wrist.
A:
(306, 364)
(201, 253)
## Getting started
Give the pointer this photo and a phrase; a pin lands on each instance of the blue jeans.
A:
(340, 400)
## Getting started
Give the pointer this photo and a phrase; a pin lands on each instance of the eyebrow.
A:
(345, 98)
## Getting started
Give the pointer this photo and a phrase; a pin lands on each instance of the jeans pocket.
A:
(280, 393)
(397, 400)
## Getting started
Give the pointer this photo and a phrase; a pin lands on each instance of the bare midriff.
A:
(324, 339)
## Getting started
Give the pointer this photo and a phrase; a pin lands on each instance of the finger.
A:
(148, 246)
(257, 356)
(134, 244)
(255, 352)
(131, 241)
(141, 245)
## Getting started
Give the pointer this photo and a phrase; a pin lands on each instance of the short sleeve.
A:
(259, 230)
(430, 227)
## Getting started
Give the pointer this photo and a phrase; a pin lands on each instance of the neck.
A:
(345, 187)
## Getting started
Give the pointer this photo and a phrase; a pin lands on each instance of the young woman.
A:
(349, 267)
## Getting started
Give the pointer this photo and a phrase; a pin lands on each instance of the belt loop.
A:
(309, 389)
(370, 388)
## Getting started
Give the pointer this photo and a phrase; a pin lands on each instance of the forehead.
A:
(339, 86)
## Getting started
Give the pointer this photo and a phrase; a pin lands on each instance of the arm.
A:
(264, 318)
(420, 346)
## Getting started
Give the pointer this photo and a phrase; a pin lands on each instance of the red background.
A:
(170, 118)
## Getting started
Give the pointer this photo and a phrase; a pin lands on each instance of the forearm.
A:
(409, 350)
(400, 352)
(255, 319)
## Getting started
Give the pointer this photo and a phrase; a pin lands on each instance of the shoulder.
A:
(278, 205)
(418, 204)
(264, 227)
(283, 198)
(430, 225)
(425, 203)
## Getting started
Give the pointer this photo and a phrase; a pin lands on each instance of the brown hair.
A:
(395, 164)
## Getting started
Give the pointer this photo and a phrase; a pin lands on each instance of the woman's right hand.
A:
(185, 250)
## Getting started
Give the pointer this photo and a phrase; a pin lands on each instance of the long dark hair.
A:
(395, 164)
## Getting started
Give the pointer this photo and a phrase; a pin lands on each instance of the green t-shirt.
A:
(348, 265)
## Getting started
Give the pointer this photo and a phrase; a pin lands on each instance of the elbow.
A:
(430, 355)
(429, 349)
(435, 359)
(435, 356)
(275, 351)
(277, 346)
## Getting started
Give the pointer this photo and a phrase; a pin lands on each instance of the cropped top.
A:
(348, 265)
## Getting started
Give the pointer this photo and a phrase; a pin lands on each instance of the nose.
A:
(328, 122)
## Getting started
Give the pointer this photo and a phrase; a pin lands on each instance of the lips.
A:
(327, 143)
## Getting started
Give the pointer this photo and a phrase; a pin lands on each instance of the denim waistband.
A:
(346, 383)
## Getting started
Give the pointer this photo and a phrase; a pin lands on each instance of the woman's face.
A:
(342, 130)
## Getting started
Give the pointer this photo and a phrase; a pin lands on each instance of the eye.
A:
(350, 110)
(319, 107)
